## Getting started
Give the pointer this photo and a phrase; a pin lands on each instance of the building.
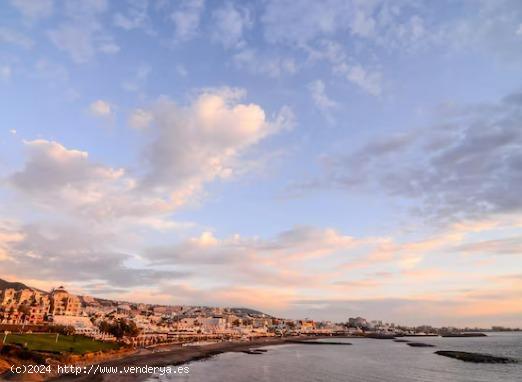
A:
(7, 296)
(63, 303)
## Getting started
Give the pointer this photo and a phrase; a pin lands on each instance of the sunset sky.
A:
(307, 159)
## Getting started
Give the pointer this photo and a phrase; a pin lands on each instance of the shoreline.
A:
(175, 355)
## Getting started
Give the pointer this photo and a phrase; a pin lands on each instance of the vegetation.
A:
(120, 328)
(46, 342)
(62, 329)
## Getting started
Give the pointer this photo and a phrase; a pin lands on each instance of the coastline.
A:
(174, 355)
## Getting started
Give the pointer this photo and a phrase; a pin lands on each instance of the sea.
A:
(367, 360)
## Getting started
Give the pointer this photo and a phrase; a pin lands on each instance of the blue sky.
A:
(308, 159)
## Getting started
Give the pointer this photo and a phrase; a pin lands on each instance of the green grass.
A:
(66, 344)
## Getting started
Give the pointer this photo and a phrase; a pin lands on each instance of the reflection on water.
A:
(367, 360)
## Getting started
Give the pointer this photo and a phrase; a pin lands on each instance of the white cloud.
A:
(75, 40)
(363, 24)
(203, 141)
(187, 18)
(187, 147)
(135, 17)
(140, 119)
(66, 181)
(321, 99)
(230, 24)
(369, 81)
(101, 108)
(298, 22)
(81, 35)
(272, 66)
(138, 79)
(34, 9)
(451, 170)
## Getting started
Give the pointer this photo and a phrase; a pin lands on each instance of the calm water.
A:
(367, 360)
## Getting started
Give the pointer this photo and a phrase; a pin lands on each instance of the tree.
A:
(120, 328)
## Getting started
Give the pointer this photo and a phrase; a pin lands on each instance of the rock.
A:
(464, 335)
(252, 352)
(399, 340)
(475, 357)
(420, 345)
(317, 342)
(380, 336)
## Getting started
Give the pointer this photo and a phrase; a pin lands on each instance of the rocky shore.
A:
(474, 357)
(175, 355)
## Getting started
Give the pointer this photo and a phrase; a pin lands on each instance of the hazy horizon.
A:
(305, 159)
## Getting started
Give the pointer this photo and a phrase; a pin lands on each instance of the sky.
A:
(308, 159)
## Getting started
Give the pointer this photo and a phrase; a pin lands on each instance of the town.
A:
(25, 309)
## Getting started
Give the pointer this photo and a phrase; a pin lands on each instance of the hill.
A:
(15, 285)
(248, 311)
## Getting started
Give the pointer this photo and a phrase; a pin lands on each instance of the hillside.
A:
(15, 285)
(4, 284)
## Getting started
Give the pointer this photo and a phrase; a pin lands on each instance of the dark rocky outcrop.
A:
(420, 345)
(378, 336)
(252, 352)
(475, 357)
(317, 342)
(464, 335)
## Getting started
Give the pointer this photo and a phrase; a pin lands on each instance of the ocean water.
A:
(367, 360)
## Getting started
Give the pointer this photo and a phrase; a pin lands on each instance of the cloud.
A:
(252, 262)
(81, 34)
(321, 99)
(490, 28)
(34, 10)
(230, 24)
(140, 119)
(68, 183)
(138, 79)
(503, 246)
(10, 36)
(186, 147)
(195, 144)
(72, 253)
(53, 168)
(82, 42)
(260, 63)
(135, 17)
(297, 22)
(100, 108)
(75, 40)
(297, 244)
(466, 166)
(376, 23)
(186, 18)
(369, 81)
(456, 310)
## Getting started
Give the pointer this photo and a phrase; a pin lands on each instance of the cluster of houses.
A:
(29, 307)
(156, 323)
